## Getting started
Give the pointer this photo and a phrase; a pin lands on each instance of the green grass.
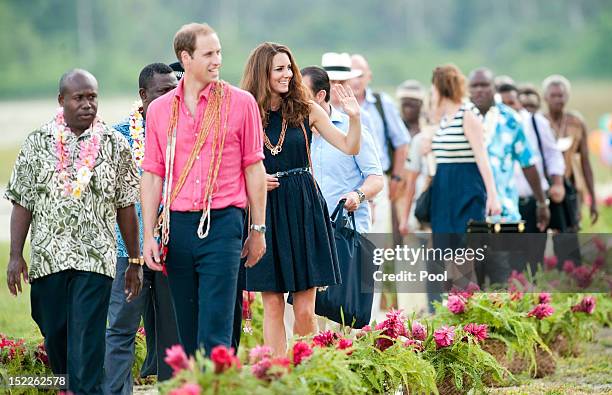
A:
(604, 223)
(15, 319)
(7, 160)
(588, 373)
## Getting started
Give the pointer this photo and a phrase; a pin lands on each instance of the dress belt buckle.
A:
(278, 174)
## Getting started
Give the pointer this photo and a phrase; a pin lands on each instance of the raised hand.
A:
(347, 99)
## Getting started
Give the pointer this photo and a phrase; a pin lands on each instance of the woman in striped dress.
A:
(463, 188)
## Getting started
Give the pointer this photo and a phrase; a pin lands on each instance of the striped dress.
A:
(458, 192)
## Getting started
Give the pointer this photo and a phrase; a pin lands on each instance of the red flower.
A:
(142, 331)
(345, 344)
(301, 351)
(586, 305)
(479, 331)
(568, 266)
(516, 277)
(598, 263)
(325, 339)
(544, 297)
(176, 358)
(270, 368)
(419, 332)
(444, 336)
(258, 353)
(187, 389)
(223, 358)
(541, 311)
(583, 276)
(456, 304)
(551, 262)
(392, 328)
(416, 344)
(41, 354)
(363, 331)
(599, 244)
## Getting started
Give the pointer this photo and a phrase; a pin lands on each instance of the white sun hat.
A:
(338, 66)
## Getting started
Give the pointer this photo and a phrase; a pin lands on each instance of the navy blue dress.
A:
(300, 247)
(458, 194)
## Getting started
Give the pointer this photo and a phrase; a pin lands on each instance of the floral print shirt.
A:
(67, 232)
(506, 144)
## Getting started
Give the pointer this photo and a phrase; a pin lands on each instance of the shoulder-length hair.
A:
(295, 105)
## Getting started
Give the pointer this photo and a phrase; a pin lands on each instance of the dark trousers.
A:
(203, 276)
(155, 306)
(566, 245)
(534, 240)
(70, 309)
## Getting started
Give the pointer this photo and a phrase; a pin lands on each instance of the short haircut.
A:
(185, 38)
(450, 82)
(147, 73)
(529, 90)
(319, 79)
(69, 75)
(505, 88)
(558, 80)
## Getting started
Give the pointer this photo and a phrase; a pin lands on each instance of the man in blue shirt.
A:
(506, 145)
(154, 301)
(391, 137)
(355, 177)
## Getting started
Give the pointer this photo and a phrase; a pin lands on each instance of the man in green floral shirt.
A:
(73, 179)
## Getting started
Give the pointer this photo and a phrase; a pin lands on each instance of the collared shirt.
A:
(398, 134)
(338, 173)
(555, 165)
(506, 144)
(243, 147)
(69, 233)
(124, 129)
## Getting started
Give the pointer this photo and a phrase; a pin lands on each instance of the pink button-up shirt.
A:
(243, 147)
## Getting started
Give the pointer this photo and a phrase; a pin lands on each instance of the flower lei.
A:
(69, 184)
(136, 122)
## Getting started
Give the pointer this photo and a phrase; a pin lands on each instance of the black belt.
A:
(291, 172)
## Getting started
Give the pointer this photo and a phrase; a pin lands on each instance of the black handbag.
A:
(563, 215)
(349, 303)
(422, 207)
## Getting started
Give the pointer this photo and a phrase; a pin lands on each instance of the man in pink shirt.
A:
(204, 148)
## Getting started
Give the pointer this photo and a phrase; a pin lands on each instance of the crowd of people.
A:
(207, 190)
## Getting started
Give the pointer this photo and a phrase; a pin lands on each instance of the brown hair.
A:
(295, 104)
(185, 38)
(449, 81)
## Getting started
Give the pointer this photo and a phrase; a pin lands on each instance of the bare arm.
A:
(17, 267)
(128, 226)
(588, 173)
(349, 143)
(474, 132)
(151, 186)
(255, 245)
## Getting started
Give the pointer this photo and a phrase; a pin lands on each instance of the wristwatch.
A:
(396, 177)
(258, 228)
(362, 196)
(546, 203)
(137, 261)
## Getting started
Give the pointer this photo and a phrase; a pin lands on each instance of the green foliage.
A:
(397, 366)
(113, 38)
(505, 321)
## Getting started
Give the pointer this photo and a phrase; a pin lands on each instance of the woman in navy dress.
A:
(301, 253)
